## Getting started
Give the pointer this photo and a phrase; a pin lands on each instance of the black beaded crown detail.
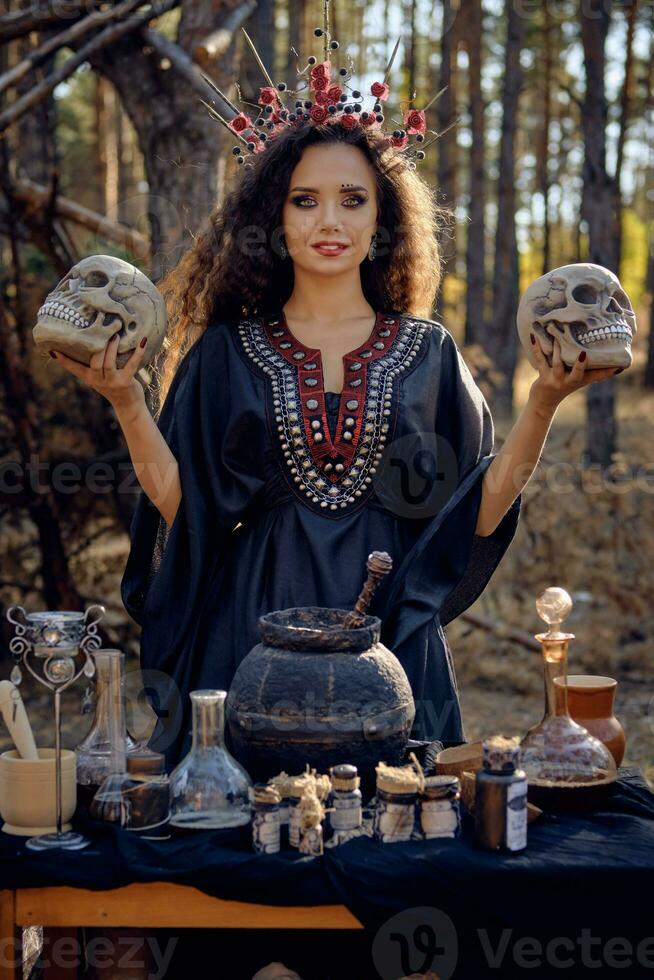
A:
(330, 104)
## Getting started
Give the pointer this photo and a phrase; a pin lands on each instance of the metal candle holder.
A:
(55, 638)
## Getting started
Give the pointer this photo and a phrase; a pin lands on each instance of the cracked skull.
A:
(102, 295)
(586, 308)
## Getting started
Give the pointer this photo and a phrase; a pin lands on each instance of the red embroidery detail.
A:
(308, 363)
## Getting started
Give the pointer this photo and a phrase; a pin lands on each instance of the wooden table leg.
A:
(11, 940)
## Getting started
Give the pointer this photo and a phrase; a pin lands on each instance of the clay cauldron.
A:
(314, 692)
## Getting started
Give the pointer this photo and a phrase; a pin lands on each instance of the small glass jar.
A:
(294, 820)
(266, 827)
(345, 812)
(395, 815)
(440, 814)
(501, 797)
(148, 792)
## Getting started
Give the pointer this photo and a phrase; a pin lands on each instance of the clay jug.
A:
(590, 703)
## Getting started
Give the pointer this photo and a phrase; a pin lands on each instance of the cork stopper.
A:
(441, 787)
(264, 793)
(501, 753)
(345, 778)
(400, 779)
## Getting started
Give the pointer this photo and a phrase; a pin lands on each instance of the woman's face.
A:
(331, 197)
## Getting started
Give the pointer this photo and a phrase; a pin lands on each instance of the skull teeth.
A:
(63, 312)
(614, 332)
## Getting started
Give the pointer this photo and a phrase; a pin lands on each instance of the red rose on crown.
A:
(240, 123)
(319, 113)
(369, 120)
(267, 96)
(349, 120)
(334, 93)
(414, 121)
(319, 83)
(321, 70)
(399, 142)
(380, 90)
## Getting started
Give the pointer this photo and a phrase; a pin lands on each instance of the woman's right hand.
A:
(118, 385)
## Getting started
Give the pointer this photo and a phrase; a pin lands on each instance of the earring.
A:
(372, 251)
(282, 249)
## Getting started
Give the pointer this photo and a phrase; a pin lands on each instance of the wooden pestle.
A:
(379, 564)
(16, 720)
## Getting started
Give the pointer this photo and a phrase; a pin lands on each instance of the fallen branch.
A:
(215, 44)
(36, 196)
(110, 34)
(19, 23)
(74, 33)
(180, 60)
(500, 629)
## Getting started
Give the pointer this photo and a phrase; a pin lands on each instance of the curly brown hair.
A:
(218, 278)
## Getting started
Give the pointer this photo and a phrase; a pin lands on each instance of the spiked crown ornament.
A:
(333, 102)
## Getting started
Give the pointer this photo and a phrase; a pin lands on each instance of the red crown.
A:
(332, 101)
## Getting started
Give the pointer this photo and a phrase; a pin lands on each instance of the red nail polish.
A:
(582, 356)
(52, 354)
(533, 339)
(143, 342)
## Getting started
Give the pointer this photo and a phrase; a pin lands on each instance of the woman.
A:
(311, 413)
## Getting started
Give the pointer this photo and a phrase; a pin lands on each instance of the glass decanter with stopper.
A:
(209, 789)
(558, 752)
(94, 752)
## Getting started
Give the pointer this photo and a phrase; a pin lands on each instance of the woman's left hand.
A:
(554, 383)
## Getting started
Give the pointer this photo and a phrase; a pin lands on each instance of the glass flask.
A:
(558, 751)
(94, 756)
(209, 789)
(109, 802)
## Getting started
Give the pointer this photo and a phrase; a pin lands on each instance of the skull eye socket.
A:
(585, 293)
(622, 299)
(95, 279)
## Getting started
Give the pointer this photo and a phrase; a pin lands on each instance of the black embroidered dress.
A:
(287, 488)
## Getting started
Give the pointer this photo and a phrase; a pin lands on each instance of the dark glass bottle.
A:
(501, 797)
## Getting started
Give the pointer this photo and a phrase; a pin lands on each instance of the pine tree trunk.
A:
(501, 338)
(447, 149)
(475, 273)
(598, 209)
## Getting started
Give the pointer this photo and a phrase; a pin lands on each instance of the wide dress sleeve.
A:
(449, 565)
(211, 426)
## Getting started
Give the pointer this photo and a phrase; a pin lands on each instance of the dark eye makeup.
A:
(360, 198)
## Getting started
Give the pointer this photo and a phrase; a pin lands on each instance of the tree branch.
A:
(35, 197)
(108, 36)
(78, 30)
(215, 44)
(18, 23)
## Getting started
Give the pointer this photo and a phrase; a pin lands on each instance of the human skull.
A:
(100, 296)
(586, 308)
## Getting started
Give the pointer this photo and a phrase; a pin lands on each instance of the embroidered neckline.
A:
(333, 473)
(307, 361)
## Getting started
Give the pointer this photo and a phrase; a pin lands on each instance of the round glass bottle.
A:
(209, 789)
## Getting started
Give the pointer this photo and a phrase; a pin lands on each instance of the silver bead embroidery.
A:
(356, 481)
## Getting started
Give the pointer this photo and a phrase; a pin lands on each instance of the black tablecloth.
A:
(592, 872)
